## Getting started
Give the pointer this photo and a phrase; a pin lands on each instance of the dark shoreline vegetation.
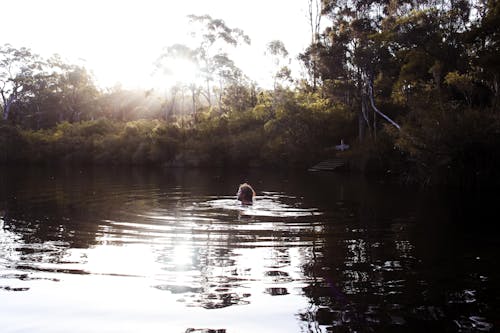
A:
(414, 90)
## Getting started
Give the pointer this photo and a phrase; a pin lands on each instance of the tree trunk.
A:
(209, 97)
(6, 112)
(361, 124)
(7, 107)
(193, 99)
(495, 90)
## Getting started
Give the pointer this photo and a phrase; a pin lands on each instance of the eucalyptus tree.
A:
(214, 36)
(44, 91)
(449, 65)
(209, 56)
(281, 72)
(346, 53)
(429, 62)
(484, 40)
(41, 108)
(314, 15)
(389, 52)
(277, 50)
(19, 70)
(76, 89)
(227, 74)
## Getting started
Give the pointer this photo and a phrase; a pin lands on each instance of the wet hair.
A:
(245, 193)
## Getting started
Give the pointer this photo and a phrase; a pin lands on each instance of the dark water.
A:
(137, 250)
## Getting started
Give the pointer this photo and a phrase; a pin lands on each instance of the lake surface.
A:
(140, 250)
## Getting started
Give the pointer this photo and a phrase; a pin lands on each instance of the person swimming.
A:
(245, 194)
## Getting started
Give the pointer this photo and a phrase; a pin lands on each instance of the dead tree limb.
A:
(372, 102)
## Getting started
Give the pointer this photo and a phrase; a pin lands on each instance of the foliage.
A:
(12, 143)
(433, 67)
(216, 70)
(413, 87)
(293, 135)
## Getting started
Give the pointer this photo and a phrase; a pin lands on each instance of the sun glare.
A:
(176, 72)
(122, 39)
(124, 260)
(182, 255)
(180, 71)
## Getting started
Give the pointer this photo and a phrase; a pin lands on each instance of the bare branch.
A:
(372, 102)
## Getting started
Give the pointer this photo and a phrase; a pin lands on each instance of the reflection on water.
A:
(268, 204)
(143, 250)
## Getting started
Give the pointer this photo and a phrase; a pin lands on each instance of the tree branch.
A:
(372, 102)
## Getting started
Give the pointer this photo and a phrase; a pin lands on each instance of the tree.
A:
(314, 17)
(44, 92)
(214, 35)
(239, 97)
(227, 73)
(78, 93)
(279, 54)
(484, 42)
(282, 73)
(349, 55)
(214, 66)
(19, 69)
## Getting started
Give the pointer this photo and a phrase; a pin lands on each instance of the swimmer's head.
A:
(246, 194)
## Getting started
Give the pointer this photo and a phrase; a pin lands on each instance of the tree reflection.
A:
(366, 264)
(368, 272)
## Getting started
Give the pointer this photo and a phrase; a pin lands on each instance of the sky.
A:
(119, 40)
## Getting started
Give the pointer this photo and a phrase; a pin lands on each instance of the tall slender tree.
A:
(213, 37)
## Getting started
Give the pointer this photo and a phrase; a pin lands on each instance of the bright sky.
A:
(120, 39)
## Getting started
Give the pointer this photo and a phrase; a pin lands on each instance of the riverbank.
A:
(226, 145)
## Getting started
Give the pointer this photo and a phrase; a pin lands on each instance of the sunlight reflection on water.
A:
(111, 256)
(270, 205)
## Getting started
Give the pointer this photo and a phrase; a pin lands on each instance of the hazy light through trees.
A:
(119, 40)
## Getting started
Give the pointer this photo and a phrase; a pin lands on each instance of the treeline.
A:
(54, 113)
(412, 86)
(291, 135)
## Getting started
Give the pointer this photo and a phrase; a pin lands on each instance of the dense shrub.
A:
(292, 130)
(12, 144)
